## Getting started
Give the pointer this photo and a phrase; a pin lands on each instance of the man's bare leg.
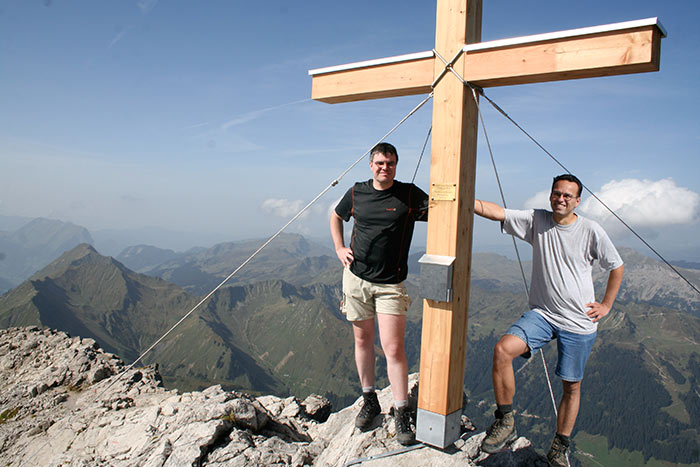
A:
(502, 375)
(568, 407)
(391, 335)
(363, 332)
(502, 431)
(566, 418)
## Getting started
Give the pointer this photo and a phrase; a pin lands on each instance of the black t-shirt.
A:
(381, 235)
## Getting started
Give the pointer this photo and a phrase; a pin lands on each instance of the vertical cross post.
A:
(452, 166)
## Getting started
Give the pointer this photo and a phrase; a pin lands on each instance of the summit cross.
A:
(622, 48)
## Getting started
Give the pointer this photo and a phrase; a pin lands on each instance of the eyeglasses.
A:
(567, 196)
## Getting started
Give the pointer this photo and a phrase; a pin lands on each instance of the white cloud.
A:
(283, 207)
(644, 203)
(540, 200)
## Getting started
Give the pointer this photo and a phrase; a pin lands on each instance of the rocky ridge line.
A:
(61, 403)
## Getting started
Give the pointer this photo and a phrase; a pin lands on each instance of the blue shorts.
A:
(572, 349)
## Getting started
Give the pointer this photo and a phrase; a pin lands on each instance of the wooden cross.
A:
(622, 48)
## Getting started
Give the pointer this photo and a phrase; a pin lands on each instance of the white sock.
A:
(400, 404)
(367, 389)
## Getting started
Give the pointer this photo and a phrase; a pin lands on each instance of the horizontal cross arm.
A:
(632, 47)
(396, 76)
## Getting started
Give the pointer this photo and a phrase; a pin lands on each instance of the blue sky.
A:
(196, 116)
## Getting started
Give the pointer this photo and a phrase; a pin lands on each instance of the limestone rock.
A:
(63, 401)
(317, 407)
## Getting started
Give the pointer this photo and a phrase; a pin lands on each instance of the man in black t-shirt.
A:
(376, 264)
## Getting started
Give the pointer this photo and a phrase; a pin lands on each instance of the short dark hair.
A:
(387, 149)
(569, 178)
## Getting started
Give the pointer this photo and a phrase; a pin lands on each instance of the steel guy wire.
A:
(427, 138)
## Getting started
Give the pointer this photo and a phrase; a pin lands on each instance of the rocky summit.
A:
(64, 401)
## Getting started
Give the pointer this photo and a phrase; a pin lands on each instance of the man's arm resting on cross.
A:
(597, 310)
(344, 253)
(489, 210)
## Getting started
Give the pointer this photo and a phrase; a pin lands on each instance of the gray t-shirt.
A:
(562, 262)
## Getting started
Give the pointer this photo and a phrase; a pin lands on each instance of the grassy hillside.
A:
(295, 332)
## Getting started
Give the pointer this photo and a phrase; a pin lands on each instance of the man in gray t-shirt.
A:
(562, 304)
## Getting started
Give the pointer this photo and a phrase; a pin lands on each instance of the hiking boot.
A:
(500, 433)
(370, 409)
(402, 422)
(557, 453)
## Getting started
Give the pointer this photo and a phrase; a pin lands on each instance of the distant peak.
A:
(82, 250)
(58, 266)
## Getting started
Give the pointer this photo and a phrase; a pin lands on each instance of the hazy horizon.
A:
(111, 242)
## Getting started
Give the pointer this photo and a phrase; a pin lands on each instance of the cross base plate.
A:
(436, 429)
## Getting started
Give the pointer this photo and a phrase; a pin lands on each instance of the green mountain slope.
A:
(295, 332)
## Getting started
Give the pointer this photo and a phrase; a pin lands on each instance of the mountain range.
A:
(290, 258)
(276, 328)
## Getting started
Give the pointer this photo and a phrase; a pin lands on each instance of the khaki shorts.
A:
(363, 300)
